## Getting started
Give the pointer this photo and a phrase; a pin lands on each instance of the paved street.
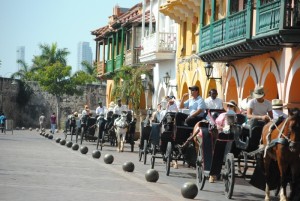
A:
(35, 168)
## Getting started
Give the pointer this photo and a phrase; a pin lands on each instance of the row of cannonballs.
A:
(188, 190)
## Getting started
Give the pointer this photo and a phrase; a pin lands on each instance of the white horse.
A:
(121, 127)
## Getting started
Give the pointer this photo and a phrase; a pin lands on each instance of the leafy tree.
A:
(54, 76)
(24, 71)
(128, 85)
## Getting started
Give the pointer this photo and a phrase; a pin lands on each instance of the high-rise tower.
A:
(84, 54)
(20, 56)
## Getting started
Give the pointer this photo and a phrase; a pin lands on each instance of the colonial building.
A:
(243, 44)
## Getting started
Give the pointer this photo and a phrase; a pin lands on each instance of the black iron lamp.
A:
(144, 82)
(167, 81)
(208, 71)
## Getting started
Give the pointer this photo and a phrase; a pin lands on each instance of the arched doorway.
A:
(232, 93)
(294, 96)
(270, 87)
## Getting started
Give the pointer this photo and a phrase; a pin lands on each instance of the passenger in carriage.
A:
(213, 102)
(156, 114)
(259, 109)
(231, 109)
(277, 109)
(196, 106)
(171, 104)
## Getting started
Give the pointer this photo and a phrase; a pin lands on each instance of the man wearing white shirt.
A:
(100, 109)
(212, 102)
(119, 108)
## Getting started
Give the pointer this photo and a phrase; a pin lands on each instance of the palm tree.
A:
(23, 72)
(128, 85)
(51, 55)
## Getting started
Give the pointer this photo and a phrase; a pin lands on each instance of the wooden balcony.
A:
(100, 68)
(231, 38)
(157, 47)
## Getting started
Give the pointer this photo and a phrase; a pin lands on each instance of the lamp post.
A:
(208, 71)
(167, 81)
(145, 87)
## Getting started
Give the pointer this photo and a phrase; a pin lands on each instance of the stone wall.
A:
(43, 102)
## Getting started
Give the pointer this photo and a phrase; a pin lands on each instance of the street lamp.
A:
(145, 87)
(167, 81)
(208, 71)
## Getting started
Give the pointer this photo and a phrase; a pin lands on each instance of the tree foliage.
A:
(128, 85)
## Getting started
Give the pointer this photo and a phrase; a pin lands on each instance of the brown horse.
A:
(283, 145)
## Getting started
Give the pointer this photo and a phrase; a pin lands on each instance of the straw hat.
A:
(277, 104)
(232, 103)
(258, 92)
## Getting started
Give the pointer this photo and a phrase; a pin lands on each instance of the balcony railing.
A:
(119, 61)
(109, 66)
(100, 68)
(268, 17)
(215, 35)
(161, 42)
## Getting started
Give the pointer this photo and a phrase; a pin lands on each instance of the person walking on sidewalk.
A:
(53, 122)
(2, 121)
(42, 121)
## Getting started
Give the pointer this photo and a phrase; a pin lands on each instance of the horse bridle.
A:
(291, 143)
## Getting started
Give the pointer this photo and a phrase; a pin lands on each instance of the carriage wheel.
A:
(201, 178)
(153, 155)
(132, 145)
(229, 175)
(168, 158)
(76, 138)
(145, 151)
(140, 154)
(81, 138)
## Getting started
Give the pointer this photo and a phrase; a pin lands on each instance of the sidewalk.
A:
(34, 168)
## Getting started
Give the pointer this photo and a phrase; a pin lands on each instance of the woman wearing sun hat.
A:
(259, 109)
(231, 108)
(277, 109)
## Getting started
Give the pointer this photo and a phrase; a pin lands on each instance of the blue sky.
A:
(32, 22)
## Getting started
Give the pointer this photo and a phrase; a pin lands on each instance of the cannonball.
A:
(69, 144)
(23, 128)
(46, 135)
(62, 142)
(41, 133)
(108, 159)
(152, 175)
(75, 147)
(30, 128)
(128, 166)
(84, 150)
(189, 190)
(96, 154)
(57, 140)
(50, 137)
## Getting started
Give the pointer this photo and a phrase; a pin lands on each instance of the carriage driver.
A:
(196, 106)
(259, 109)
(119, 108)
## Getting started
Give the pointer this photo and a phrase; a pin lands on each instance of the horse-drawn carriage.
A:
(218, 152)
(163, 140)
(116, 129)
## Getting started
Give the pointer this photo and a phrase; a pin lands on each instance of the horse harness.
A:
(281, 138)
